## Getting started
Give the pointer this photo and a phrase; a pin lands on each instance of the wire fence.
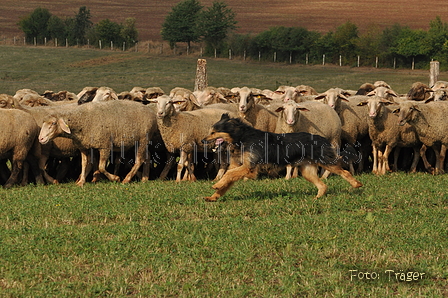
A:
(164, 48)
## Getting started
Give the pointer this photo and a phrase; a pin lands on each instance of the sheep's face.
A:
(407, 112)
(333, 97)
(51, 128)
(374, 104)
(291, 112)
(246, 100)
(439, 95)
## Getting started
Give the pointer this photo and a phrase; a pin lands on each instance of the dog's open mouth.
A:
(218, 142)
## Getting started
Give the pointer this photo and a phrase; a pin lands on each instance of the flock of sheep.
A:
(143, 133)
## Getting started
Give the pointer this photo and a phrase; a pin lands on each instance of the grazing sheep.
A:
(104, 126)
(308, 117)
(17, 140)
(429, 120)
(257, 115)
(386, 135)
(183, 132)
(419, 92)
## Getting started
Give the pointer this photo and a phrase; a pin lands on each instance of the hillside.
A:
(253, 16)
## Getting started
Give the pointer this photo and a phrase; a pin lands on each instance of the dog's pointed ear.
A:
(225, 116)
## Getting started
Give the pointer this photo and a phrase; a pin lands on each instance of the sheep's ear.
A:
(396, 111)
(344, 97)
(362, 103)
(431, 98)
(302, 109)
(414, 108)
(225, 116)
(391, 92)
(64, 126)
(320, 96)
(279, 109)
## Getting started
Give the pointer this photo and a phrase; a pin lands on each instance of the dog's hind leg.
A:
(309, 172)
(336, 169)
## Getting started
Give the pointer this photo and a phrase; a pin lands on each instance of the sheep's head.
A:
(375, 104)
(419, 92)
(333, 97)
(382, 92)
(290, 112)
(407, 112)
(246, 99)
(438, 95)
(166, 106)
(105, 94)
(7, 101)
(51, 128)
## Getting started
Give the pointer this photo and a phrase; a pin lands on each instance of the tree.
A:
(56, 28)
(36, 25)
(181, 24)
(346, 38)
(109, 31)
(129, 31)
(79, 26)
(215, 24)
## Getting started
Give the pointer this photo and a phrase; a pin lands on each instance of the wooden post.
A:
(306, 59)
(359, 58)
(201, 75)
(434, 72)
(323, 59)
(340, 60)
(376, 62)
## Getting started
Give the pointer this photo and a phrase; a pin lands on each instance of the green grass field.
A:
(265, 238)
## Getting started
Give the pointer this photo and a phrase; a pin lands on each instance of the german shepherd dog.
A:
(252, 148)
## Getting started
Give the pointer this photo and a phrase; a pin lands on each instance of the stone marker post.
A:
(434, 72)
(201, 75)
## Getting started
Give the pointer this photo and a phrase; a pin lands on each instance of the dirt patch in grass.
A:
(103, 61)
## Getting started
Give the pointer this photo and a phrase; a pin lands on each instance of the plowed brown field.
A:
(253, 16)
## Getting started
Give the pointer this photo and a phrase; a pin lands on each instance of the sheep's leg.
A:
(441, 160)
(85, 159)
(385, 157)
(42, 166)
(295, 173)
(415, 161)
(427, 165)
(180, 165)
(104, 156)
(25, 172)
(375, 159)
(139, 159)
(168, 165)
(396, 156)
(16, 167)
(190, 167)
(146, 170)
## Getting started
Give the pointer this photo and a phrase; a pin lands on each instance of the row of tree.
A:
(395, 46)
(41, 25)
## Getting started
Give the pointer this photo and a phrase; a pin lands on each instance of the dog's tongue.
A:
(219, 141)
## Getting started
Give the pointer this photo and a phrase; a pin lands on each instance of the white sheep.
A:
(333, 97)
(90, 94)
(312, 117)
(429, 120)
(184, 131)
(105, 126)
(386, 135)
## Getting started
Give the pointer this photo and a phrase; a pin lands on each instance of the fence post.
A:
(215, 53)
(230, 54)
(306, 59)
(35, 41)
(358, 60)
(290, 57)
(188, 50)
(275, 56)
(56, 42)
(201, 75)
(259, 56)
(45, 41)
(395, 62)
(413, 63)
(323, 59)
(100, 44)
(124, 46)
(111, 45)
(66, 42)
(376, 62)
(340, 60)
(434, 72)
(244, 55)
